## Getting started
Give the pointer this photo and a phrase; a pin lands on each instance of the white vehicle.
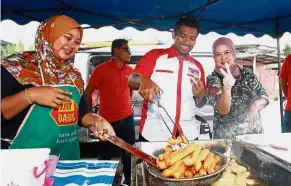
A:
(86, 60)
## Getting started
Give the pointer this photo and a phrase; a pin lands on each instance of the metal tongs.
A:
(181, 134)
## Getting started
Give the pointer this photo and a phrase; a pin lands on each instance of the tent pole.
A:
(255, 65)
(279, 69)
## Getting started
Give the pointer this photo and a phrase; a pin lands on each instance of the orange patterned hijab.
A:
(41, 67)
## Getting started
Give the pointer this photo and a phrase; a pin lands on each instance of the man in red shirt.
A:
(110, 78)
(285, 80)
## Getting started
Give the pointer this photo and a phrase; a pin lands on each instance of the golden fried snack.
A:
(172, 141)
(161, 157)
(197, 164)
(210, 170)
(235, 168)
(242, 168)
(197, 174)
(227, 169)
(228, 175)
(179, 172)
(217, 159)
(184, 140)
(188, 173)
(234, 175)
(186, 159)
(168, 148)
(179, 139)
(191, 161)
(168, 151)
(208, 161)
(250, 182)
(212, 164)
(203, 154)
(180, 154)
(202, 172)
(246, 174)
(240, 179)
(193, 170)
(169, 172)
(217, 167)
(162, 165)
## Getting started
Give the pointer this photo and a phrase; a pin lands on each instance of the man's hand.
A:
(228, 80)
(147, 88)
(197, 87)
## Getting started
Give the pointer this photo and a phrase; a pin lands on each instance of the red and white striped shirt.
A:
(173, 76)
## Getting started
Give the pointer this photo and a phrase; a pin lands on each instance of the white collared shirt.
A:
(173, 77)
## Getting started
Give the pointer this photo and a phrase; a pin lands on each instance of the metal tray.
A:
(264, 166)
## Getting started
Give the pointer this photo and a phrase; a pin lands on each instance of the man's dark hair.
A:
(117, 43)
(187, 21)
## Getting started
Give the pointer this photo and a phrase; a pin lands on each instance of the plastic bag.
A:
(25, 167)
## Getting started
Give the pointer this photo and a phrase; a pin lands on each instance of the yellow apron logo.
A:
(66, 114)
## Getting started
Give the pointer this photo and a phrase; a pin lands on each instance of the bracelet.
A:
(27, 97)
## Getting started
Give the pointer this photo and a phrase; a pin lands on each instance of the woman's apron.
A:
(57, 129)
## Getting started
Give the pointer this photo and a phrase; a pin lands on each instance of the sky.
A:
(12, 32)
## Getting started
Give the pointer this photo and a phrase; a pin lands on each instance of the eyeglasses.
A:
(126, 49)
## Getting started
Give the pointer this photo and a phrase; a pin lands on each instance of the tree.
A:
(31, 47)
(287, 49)
(20, 46)
(3, 51)
(8, 50)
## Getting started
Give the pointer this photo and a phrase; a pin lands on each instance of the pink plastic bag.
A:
(51, 168)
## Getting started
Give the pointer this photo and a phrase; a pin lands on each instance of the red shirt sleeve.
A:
(147, 64)
(202, 79)
(95, 78)
(285, 67)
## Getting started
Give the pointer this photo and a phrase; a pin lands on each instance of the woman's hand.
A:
(253, 116)
(100, 127)
(228, 79)
(48, 96)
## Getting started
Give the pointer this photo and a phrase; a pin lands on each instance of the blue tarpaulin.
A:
(257, 17)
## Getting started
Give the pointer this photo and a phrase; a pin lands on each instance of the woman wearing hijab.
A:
(42, 95)
(235, 93)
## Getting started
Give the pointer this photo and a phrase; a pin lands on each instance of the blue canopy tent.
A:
(257, 17)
